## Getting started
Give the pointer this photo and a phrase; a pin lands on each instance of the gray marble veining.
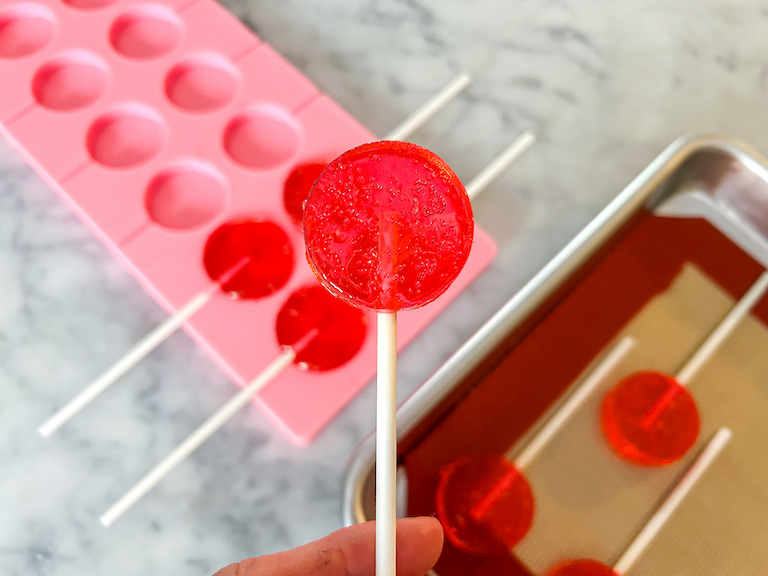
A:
(606, 85)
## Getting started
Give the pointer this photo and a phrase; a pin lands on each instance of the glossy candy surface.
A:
(484, 503)
(388, 226)
(254, 258)
(650, 419)
(340, 328)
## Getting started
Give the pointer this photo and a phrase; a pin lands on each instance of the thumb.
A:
(349, 552)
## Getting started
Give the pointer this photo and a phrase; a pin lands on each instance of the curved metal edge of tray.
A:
(645, 191)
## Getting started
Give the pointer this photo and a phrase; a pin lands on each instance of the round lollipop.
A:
(650, 418)
(315, 331)
(388, 226)
(586, 567)
(484, 501)
(247, 259)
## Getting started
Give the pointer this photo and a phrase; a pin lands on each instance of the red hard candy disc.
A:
(650, 419)
(484, 503)
(297, 187)
(582, 568)
(253, 257)
(388, 226)
(340, 328)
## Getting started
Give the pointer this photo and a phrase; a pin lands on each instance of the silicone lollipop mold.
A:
(158, 122)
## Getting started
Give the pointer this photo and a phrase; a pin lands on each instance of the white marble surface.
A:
(606, 85)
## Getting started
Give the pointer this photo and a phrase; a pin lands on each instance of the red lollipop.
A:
(315, 330)
(247, 258)
(388, 226)
(650, 418)
(339, 329)
(484, 502)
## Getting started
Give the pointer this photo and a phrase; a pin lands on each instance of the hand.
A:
(349, 552)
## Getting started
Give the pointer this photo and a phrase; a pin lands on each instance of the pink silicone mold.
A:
(159, 122)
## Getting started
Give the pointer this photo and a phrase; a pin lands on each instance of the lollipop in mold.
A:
(650, 418)
(315, 332)
(484, 501)
(588, 567)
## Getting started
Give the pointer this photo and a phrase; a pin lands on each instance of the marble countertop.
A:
(605, 85)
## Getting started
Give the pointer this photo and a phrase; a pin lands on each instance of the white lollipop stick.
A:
(564, 413)
(386, 442)
(499, 164)
(136, 354)
(671, 503)
(429, 108)
(194, 440)
(723, 330)
(168, 327)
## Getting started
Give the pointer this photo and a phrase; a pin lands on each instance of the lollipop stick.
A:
(563, 414)
(723, 330)
(665, 511)
(194, 440)
(708, 348)
(386, 442)
(499, 164)
(135, 355)
(429, 108)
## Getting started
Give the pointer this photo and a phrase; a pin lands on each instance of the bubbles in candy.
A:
(582, 568)
(254, 258)
(297, 187)
(388, 226)
(340, 328)
(650, 419)
(484, 503)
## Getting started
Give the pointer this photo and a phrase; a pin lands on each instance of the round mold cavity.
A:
(146, 32)
(186, 196)
(89, 4)
(202, 83)
(126, 137)
(25, 29)
(263, 138)
(70, 81)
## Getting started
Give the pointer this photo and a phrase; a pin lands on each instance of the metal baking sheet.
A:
(717, 179)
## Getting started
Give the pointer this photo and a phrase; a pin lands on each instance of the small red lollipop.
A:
(255, 257)
(316, 332)
(484, 503)
(650, 418)
(340, 328)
